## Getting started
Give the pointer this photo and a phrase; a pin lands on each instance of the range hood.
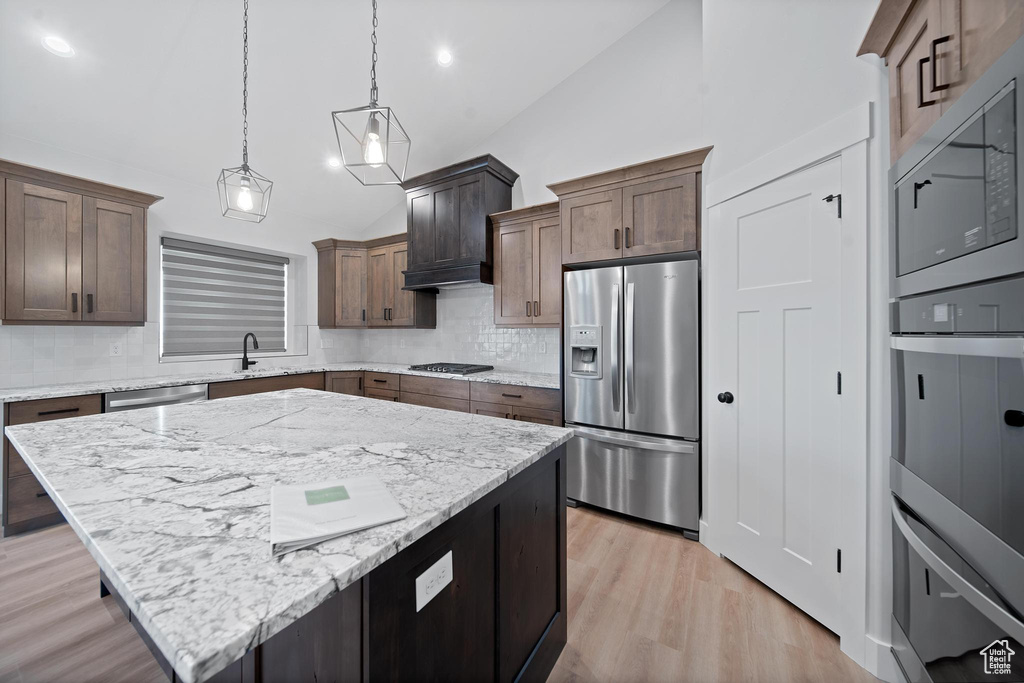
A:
(450, 240)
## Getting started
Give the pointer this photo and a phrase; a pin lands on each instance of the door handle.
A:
(935, 63)
(527, 308)
(614, 349)
(630, 348)
(726, 397)
(1014, 418)
(918, 187)
(364, 315)
(88, 303)
(43, 494)
(74, 302)
(627, 238)
(536, 308)
(920, 84)
(615, 235)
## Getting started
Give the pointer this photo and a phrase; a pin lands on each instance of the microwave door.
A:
(660, 349)
(593, 369)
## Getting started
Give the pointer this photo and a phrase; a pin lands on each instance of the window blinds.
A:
(213, 295)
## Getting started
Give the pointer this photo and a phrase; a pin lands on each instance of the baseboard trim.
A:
(879, 661)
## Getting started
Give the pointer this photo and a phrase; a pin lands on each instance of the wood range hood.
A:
(450, 241)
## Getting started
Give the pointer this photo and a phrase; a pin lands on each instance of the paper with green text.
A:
(306, 514)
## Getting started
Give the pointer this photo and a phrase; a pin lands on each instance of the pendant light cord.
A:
(373, 61)
(245, 85)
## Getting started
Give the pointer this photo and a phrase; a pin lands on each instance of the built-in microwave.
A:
(955, 195)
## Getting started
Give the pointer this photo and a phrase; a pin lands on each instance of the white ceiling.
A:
(157, 85)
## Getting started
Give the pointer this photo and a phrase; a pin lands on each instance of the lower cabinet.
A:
(259, 385)
(382, 394)
(26, 505)
(344, 382)
(527, 404)
(435, 392)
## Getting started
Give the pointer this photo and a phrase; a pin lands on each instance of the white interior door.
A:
(774, 332)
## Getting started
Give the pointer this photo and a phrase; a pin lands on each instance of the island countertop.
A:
(173, 503)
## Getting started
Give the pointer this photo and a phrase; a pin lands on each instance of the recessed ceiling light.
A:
(334, 162)
(58, 46)
(444, 58)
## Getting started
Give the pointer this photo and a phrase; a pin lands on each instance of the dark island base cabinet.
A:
(501, 618)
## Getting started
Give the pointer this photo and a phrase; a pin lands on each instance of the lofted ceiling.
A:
(157, 85)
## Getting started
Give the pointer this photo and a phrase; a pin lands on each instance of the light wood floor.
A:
(645, 604)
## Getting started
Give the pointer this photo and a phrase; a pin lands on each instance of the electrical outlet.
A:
(115, 348)
(543, 347)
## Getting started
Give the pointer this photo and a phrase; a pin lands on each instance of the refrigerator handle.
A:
(630, 320)
(613, 352)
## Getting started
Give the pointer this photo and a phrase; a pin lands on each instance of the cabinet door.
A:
(44, 253)
(514, 276)
(403, 307)
(913, 108)
(547, 272)
(420, 214)
(592, 227)
(660, 217)
(113, 261)
(345, 383)
(350, 288)
(379, 287)
(472, 240)
(978, 34)
(491, 409)
(446, 223)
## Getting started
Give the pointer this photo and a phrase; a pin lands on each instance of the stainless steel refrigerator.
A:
(632, 390)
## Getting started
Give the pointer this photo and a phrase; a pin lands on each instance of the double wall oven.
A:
(957, 467)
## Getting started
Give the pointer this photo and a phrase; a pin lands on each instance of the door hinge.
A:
(839, 560)
(839, 383)
(838, 199)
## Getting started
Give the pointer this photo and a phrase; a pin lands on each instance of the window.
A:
(213, 295)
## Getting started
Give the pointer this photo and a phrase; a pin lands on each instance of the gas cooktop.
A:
(452, 368)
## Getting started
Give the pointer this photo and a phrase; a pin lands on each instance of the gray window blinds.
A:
(213, 295)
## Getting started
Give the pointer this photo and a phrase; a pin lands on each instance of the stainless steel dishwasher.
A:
(147, 398)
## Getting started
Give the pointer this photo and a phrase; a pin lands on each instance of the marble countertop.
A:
(174, 502)
(526, 379)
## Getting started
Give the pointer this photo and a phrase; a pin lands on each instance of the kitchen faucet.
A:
(246, 363)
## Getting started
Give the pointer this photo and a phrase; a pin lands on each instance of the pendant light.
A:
(244, 193)
(373, 144)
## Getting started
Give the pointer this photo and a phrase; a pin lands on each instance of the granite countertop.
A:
(174, 502)
(526, 379)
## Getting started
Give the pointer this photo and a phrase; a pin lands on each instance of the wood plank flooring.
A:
(645, 604)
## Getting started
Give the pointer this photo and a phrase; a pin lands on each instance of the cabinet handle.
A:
(935, 64)
(615, 232)
(508, 416)
(59, 411)
(627, 238)
(74, 302)
(920, 84)
(364, 315)
(88, 303)
(536, 308)
(44, 494)
(527, 308)
(390, 316)
(511, 395)
(360, 384)
(381, 381)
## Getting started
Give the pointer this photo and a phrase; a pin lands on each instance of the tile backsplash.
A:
(50, 354)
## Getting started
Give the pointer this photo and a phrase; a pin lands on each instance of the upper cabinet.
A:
(73, 250)
(447, 209)
(647, 209)
(361, 284)
(935, 50)
(528, 267)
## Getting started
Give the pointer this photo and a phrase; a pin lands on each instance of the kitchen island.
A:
(173, 504)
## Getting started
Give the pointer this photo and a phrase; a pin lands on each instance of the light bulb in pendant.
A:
(244, 199)
(373, 153)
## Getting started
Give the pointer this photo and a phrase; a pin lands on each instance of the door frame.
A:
(848, 138)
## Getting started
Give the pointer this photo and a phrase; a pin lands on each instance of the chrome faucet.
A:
(246, 363)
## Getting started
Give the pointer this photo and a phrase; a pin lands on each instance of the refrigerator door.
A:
(643, 476)
(662, 372)
(593, 309)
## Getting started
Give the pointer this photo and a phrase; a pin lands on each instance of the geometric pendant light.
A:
(244, 193)
(374, 147)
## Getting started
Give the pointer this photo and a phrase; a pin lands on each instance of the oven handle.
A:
(1009, 625)
(990, 347)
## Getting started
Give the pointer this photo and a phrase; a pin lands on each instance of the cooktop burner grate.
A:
(452, 368)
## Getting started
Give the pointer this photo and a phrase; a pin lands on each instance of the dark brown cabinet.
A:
(447, 209)
(528, 404)
(341, 284)
(648, 209)
(435, 392)
(528, 267)
(389, 304)
(259, 385)
(74, 251)
(344, 382)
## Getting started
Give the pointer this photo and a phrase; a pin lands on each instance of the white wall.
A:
(774, 70)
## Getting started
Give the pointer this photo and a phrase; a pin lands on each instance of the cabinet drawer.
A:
(545, 399)
(537, 415)
(443, 402)
(24, 412)
(26, 499)
(16, 467)
(381, 380)
(491, 410)
(434, 386)
(383, 394)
